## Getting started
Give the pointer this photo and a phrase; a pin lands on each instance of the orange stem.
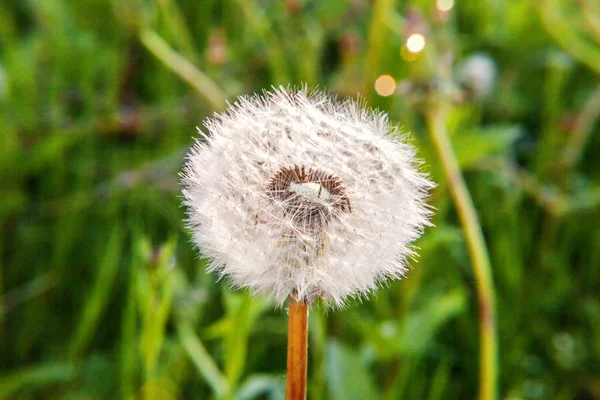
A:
(297, 351)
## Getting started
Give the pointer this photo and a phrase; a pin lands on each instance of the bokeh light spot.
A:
(415, 43)
(385, 85)
(444, 5)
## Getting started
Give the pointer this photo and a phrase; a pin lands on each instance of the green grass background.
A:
(101, 294)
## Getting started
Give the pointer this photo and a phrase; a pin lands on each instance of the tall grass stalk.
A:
(382, 9)
(205, 86)
(488, 362)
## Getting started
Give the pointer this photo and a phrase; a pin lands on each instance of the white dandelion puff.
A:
(478, 74)
(294, 193)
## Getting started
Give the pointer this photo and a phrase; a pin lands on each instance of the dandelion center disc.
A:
(311, 197)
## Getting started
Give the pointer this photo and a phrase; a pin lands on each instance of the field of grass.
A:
(102, 296)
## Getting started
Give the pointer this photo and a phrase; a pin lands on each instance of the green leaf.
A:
(331, 11)
(260, 385)
(99, 294)
(204, 363)
(347, 375)
(472, 147)
(35, 376)
(390, 339)
(439, 381)
(242, 311)
(155, 290)
(439, 237)
(423, 323)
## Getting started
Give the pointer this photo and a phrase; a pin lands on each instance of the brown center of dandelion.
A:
(311, 197)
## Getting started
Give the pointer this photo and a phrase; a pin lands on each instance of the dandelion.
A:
(297, 195)
(478, 74)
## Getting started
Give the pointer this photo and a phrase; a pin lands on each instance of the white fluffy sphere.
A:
(295, 193)
(478, 74)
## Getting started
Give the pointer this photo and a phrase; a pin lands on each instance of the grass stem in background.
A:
(297, 350)
(582, 130)
(264, 30)
(488, 362)
(202, 360)
(205, 86)
(382, 9)
(558, 26)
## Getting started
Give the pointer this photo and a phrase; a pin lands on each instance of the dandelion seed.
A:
(297, 194)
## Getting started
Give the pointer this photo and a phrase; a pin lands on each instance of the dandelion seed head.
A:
(478, 73)
(295, 193)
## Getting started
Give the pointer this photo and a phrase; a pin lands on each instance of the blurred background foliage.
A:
(101, 294)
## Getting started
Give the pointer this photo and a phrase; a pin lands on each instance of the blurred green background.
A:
(102, 295)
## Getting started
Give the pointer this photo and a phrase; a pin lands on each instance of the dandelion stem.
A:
(297, 350)
(488, 362)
